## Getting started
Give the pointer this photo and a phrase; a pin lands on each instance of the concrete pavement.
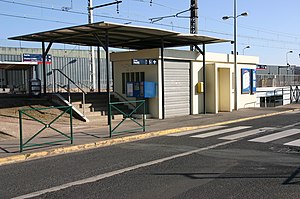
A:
(89, 136)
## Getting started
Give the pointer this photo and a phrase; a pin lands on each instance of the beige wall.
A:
(211, 88)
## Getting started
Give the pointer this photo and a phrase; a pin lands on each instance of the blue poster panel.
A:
(253, 81)
(129, 89)
(246, 80)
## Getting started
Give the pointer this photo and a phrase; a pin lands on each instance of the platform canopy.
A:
(16, 65)
(120, 36)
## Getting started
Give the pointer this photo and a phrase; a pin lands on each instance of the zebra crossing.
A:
(242, 132)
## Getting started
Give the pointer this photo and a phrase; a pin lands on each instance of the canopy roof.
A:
(120, 36)
(16, 65)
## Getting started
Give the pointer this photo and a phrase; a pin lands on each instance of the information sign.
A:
(36, 58)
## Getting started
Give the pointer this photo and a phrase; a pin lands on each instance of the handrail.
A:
(68, 89)
(124, 99)
(69, 79)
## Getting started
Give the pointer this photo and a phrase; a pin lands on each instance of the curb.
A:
(104, 143)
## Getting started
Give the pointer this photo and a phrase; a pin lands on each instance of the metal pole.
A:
(235, 56)
(144, 115)
(54, 80)
(194, 19)
(204, 80)
(71, 124)
(44, 68)
(99, 64)
(69, 91)
(21, 131)
(107, 77)
(162, 79)
(92, 50)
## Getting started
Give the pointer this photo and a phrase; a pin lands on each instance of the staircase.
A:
(86, 106)
(95, 107)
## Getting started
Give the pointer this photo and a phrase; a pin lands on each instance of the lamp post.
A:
(286, 57)
(244, 49)
(235, 16)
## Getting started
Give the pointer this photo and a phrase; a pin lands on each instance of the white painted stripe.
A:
(276, 136)
(195, 131)
(113, 173)
(246, 134)
(205, 135)
(293, 143)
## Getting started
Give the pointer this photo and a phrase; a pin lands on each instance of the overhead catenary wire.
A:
(263, 30)
(144, 22)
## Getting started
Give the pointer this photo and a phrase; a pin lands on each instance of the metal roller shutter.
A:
(177, 88)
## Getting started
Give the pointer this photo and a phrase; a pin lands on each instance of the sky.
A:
(271, 30)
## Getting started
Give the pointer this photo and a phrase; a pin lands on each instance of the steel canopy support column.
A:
(162, 78)
(204, 79)
(107, 77)
(202, 52)
(44, 55)
(99, 64)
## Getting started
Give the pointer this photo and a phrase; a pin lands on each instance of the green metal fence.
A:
(46, 125)
(139, 109)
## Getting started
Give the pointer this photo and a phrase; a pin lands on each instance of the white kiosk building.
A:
(182, 85)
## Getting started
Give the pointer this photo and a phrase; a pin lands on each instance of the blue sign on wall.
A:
(253, 81)
(246, 80)
(141, 89)
(36, 58)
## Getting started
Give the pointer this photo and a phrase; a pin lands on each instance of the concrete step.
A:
(104, 117)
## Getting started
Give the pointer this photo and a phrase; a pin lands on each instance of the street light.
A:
(245, 48)
(234, 17)
(286, 57)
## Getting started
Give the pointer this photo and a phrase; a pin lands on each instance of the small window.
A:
(137, 76)
(123, 83)
(142, 78)
(127, 77)
(132, 77)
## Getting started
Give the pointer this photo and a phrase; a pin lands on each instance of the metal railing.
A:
(68, 89)
(140, 104)
(274, 97)
(46, 125)
(123, 99)
(295, 94)
(277, 80)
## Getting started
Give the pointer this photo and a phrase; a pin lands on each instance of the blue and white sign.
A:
(246, 80)
(144, 61)
(36, 58)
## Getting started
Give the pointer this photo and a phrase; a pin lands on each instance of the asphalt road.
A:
(242, 160)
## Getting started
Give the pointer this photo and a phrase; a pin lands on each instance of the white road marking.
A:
(245, 134)
(293, 143)
(205, 135)
(276, 136)
(195, 131)
(120, 171)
